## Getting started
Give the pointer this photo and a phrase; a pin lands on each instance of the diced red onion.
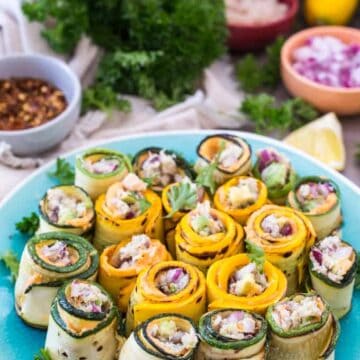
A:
(286, 230)
(317, 255)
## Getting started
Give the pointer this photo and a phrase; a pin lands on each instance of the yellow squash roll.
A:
(169, 286)
(286, 237)
(233, 283)
(121, 264)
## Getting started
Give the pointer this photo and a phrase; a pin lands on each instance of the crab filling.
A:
(57, 253)
(333, 258)
(88, 297)
(126, 200)
(298, 312)
(316, 198)
(247, 281)
(277, 226)
(230, 155)
(161, 169)
(172, 280)
(102, 166)
(204, 222)
(174, 339)
(236, 325)
(134, 252)
(244, 194)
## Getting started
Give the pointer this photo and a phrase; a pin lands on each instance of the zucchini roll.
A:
(128, 208)
(230, 153)
(238, 282)
(163, 337)
(160, 167)
(276, 171)
(319, 199)
(83, 323)
(168, 286)
(232, 334)
(178, 199)
(302, 327)
(206, 235)
(121, 264)
(67, 208)
(240, 197)
(47, 261)
(332, 266)
(97, 169)
(286, 237)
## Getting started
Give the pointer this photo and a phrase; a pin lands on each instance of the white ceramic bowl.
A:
(41, 138)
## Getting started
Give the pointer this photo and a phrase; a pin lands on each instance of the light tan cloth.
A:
(215, 105)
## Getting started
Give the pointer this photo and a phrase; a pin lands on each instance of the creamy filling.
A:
(87, 297)
(316, 198)
(57, 253)
(237, 325)
(174, 339)
(298, 312)
(247, 281)
(161, 169)
(172, 280)
(105, 165)
(62, 207)
(277, 226)
(230, 155)
(204, 222)
(332, 258)
(244, 194)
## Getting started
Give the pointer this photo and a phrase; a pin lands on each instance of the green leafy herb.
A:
(28, 224)
(256, 255)
(12, 263)
(43, 354)
(182, 196)
(268, 116)
(254, 75)
(201, 223)
(144, 205)
(64, 172)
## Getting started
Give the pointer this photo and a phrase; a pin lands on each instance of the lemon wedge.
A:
(321, 139)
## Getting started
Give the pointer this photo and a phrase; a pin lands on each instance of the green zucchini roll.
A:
(163, 337)
(160, 167)
(67, 208)
(332, 266)
(276, 171)
(47, 261)
(232, 334)
(318, 199)
(97, 169)
(83, 323)
(303, 328)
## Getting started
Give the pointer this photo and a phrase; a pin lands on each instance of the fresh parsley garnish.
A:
(28, 224)
(43, 354)
(181, 196)
(267, 116)
(257, 255)
(149, 181)
(64, 172)
(144, 204)
(12, 263)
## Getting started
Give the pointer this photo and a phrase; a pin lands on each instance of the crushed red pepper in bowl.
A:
(27, 103)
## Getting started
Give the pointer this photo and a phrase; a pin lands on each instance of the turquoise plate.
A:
(18, 341)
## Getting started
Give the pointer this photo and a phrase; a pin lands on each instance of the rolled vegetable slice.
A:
(302, 327)
(276, 171)
(286, 237)
(67, 208)
(128, 208)
(163, 337)
(160, 167)
(240, 197)
(47, 261)
(169, 286)
(319, 200)
(206, 235)
(333, 266)
(237, 282)
(121, 264)
(97, 169)
(230, 153)
(232, 334)
(83, 323)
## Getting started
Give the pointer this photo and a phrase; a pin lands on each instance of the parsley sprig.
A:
(256, 255)
(28, 224)
(43, 354)
(63, 173)
(181, 196)
(12, 263)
